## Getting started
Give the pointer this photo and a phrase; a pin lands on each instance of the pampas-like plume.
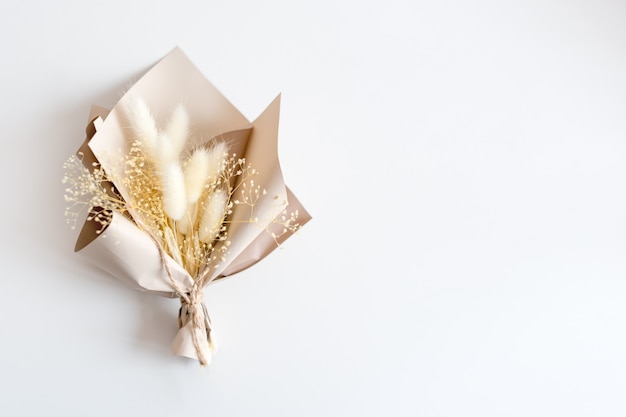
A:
(186, 223)
(163, 148)
(168, 151)
(201, 169)
(173, 183)
(196, 173)
(215, 207)
(177, 128)
(217, 158)
(143, 125)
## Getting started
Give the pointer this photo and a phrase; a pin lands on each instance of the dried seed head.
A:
(177, 128)
(174, 196)
(142, 124)
(217, 160)
(213, 216)
(196, 174)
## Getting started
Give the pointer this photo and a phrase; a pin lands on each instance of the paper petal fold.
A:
(130, 255)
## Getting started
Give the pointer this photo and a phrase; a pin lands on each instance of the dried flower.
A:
(213, 214)
(196, 174)
(177, 129)
(164, 197)
(189, 207)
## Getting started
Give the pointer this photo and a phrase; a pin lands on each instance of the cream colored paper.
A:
(128, 253)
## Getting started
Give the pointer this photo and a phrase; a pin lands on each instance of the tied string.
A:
(192, 308)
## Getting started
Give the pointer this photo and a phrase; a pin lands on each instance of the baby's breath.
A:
(89, 190)
(289, 222)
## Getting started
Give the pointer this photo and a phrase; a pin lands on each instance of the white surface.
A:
(464, 164)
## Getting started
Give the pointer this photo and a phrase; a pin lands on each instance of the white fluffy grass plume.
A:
(177, 129)
(217, 155)
(143, 125)
(213, 214)
(174, 196)
(196, 174)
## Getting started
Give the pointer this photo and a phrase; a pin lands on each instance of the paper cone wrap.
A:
(128, 253)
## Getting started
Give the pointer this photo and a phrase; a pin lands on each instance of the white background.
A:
(464, 164)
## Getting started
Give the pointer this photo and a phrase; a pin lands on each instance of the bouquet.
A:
(176, 190)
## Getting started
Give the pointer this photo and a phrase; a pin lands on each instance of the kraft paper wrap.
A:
(126, 252)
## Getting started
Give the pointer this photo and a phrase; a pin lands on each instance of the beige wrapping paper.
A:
(126, 252)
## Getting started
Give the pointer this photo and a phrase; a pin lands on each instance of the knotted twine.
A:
(192, 308)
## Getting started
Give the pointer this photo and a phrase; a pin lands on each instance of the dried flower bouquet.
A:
(184, 187)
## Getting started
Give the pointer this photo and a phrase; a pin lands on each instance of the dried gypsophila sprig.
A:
(289, 222)
(88, 190)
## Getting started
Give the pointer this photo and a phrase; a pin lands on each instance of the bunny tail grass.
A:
(177, 128)
(196, 174)
(213, 214)
(142, 124)
(217, 158)
(186, 223)
(174, 196)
